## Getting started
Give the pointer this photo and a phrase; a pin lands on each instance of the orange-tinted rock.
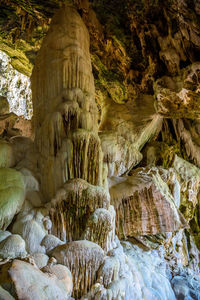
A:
(144, 205)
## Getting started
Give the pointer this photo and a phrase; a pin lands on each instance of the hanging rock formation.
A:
(144, 204)
(124, 130)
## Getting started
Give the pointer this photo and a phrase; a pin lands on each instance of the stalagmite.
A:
(65, 112)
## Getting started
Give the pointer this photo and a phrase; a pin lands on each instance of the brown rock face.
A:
(64, 107)
(144, 205)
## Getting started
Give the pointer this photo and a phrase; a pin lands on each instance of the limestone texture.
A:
(99, 192)
(144, 204)
(83, 259)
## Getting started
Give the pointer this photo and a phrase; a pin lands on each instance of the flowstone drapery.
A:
(65, 112)
(66, 137)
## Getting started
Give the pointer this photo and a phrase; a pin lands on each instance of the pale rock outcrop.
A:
(62, 273)
(144, 204)
(11, 195)
(189, 176)
(13, 247)
(50, 242)
(32, 284)
(83, 258)
(4, 235)
(40, 260)
(31, 226)
(4, 295)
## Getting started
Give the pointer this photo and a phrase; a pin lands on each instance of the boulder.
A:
(11, 195)
(13, 247)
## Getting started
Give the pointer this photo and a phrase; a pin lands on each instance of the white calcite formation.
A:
(16, 87)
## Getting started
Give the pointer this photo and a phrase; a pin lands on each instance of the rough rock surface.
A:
(13, 247)
(144, 204)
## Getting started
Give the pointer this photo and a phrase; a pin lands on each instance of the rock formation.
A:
(101, 200)
(66, 116)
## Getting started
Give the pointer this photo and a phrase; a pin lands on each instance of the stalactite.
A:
(100, 228)
(83, 258)
(73, 205)
(144, 205)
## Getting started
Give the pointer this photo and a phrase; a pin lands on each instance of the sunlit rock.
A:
(16, 87)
